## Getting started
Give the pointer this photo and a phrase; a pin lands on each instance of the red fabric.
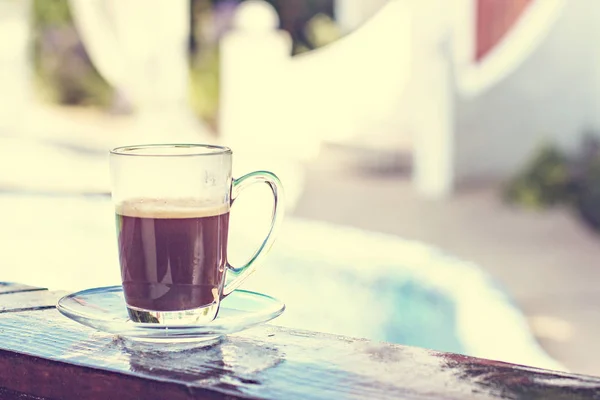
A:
(494, 18)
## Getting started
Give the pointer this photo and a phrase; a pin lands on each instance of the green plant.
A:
(551, 178)
(51, 13)
(544, 181)
(64, 72)
(204, 85)
(322, 30)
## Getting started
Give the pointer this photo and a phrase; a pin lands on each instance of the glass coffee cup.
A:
(172, 204)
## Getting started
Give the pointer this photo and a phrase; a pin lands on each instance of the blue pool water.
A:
(333, 279)
(431, 324)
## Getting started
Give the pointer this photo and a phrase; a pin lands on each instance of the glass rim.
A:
(197, 149)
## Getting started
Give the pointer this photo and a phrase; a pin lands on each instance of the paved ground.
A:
(547, 261)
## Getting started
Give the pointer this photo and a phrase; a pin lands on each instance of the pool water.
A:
(350, 282)
(333, 279)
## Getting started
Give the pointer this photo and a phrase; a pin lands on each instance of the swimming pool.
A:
(333, 279)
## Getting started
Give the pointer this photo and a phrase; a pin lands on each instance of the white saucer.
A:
(104, 309)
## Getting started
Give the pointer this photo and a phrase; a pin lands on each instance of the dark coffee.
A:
(173, 254)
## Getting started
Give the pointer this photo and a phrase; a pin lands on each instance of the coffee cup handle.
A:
(243, 272)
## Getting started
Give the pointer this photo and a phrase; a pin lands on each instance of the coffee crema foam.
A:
(170, 208)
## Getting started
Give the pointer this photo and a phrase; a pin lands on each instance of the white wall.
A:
(15, 66)
(553, 94)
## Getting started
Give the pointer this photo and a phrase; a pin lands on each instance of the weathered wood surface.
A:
(12, 287)
(45, 355)
(29, 300)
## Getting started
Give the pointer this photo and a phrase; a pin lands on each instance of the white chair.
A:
(281, 108)
(139, 47)
(409, 75)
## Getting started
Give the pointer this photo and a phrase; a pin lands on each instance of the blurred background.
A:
(469, 126)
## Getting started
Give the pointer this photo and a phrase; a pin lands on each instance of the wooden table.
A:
(45, 355)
